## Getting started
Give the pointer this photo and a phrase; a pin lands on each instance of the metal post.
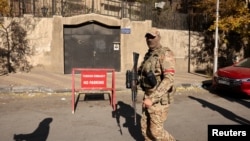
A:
(19, 6)
(53, 7)
(62, 8)
(34, 7)
(216, 39)
(44, 10)
(92, 8)
(23, 7)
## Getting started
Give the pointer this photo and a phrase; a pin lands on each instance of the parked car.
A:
(234, 78)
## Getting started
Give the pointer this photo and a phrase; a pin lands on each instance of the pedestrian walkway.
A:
(46, 81)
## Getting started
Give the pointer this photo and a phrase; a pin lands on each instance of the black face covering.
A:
(149, 36)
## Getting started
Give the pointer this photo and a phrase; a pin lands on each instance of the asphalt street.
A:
(48, 116)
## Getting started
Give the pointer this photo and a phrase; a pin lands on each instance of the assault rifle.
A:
(132, 80)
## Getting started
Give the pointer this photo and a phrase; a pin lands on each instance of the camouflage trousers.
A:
(152, 123)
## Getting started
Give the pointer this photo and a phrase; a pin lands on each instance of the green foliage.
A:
(234, 19)
(234, 31)
(234, 15)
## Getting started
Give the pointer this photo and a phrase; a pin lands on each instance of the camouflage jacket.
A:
(161, 62)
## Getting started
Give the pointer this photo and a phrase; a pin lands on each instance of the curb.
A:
(42, 89)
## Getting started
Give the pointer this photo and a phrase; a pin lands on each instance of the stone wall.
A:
(45, 36)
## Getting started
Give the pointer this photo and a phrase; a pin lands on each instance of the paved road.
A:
(48, 117)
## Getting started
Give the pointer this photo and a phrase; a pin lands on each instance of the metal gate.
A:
(91, 45)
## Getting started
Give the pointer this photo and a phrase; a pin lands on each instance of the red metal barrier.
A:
(93, 80)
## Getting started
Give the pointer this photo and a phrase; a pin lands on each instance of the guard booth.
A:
(93, 81)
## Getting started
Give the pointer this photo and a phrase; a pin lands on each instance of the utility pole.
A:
(216, 39)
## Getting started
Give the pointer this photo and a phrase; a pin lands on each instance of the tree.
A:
(234, 15)
(14, 49)
(234, 26)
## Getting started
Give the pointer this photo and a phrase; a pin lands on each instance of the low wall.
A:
(45, 37)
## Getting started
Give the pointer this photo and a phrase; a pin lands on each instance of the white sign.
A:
(116, 46)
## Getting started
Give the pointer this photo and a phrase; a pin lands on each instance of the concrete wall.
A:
(45, 36)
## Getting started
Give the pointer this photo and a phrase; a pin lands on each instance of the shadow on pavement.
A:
(233, 97)
(207, 84)
(40, 134)
(91, 97)
(224, 112)
(227, 94)
(127, 112)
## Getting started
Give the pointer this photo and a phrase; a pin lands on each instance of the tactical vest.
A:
(152, 63)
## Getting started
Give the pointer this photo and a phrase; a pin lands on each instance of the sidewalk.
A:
(49, 82)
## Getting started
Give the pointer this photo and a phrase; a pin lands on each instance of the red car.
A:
(235, 78)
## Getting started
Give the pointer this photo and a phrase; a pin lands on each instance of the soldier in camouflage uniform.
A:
(156, 76)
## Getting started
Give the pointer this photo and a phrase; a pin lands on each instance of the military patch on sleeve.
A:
(171, 70)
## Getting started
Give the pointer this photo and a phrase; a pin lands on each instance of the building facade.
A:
(64, 40)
